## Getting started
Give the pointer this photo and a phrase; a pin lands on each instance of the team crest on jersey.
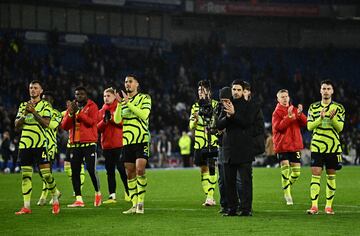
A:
(29, 116)
(86, 110)
(127, 112)
(326, 122)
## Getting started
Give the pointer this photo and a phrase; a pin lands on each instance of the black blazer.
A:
(258, 131)
(238, 139)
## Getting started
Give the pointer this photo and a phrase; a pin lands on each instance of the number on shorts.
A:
(339, 157)
(146, 150)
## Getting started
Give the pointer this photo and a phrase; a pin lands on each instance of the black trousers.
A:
(78, 156)
(245, 193)
(14, 160)
(222, 188)
(186, 160)
(112, 161)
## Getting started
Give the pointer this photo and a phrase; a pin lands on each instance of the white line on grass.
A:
(262, 202)
(196, 209)
(307, 204)
(192, 210)
(152, 209)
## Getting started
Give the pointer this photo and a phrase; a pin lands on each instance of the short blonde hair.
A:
(282, 91)
(110, 90)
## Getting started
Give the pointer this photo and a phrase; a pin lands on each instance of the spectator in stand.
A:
(5, 151)
(185, 148)
(15, 167)
(164, 150)
(357, 149)
(269, 151)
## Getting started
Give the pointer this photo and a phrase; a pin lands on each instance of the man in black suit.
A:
(238, 118)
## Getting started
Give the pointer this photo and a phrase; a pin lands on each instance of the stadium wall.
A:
(177, 27)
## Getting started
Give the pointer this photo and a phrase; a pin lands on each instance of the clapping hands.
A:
(30, 107)
(124, 98)
(332, 113)
(298, 112)
(290, 111)
(300, 109)
(73, 108)
(228, 107)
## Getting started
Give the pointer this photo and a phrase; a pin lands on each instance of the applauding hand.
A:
(300, 109)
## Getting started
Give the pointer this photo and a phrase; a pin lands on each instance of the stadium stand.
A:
(171, 76)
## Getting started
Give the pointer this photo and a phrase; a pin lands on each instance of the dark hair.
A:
(49, 93)
(328, 82)
(246, 86)
(238, 82)
(36, 82)
(133, 76)
(225, 93)
(205, 83)
(81, 88)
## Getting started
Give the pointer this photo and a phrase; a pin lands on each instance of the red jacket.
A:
(85, 120)
(111, 133)
(286, 131)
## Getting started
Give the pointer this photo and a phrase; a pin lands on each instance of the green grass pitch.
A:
(173, 207)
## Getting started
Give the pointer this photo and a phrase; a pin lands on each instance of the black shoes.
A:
(222, 210)
(234, 213)
(231, 213)
(246, 213)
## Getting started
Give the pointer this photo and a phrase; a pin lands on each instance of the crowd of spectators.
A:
(169, 77)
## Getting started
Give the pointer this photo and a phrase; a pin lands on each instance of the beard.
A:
(81, 102)
(34, 95)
